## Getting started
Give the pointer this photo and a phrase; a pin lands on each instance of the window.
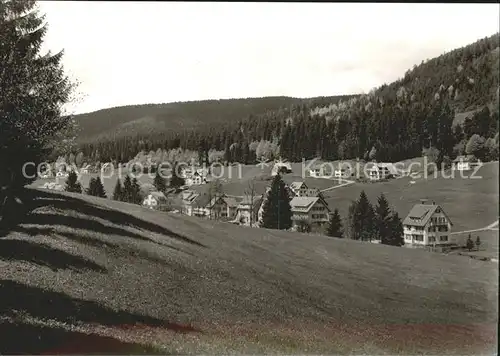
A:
(432, 239)
(418, 238)
(443, 238)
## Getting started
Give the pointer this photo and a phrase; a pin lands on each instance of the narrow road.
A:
(347, 182)
(492, 226)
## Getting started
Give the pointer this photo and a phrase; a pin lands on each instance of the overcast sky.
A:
(126, 53)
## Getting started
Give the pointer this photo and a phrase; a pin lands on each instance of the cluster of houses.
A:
(375, 171)
(307, 205)
(195, 176)
(63, 171)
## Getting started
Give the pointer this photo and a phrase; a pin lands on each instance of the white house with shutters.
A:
(312, 210)
(380, 171)
(427, 225)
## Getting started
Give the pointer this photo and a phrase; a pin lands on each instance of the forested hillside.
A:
(146, 119)
(391, 123)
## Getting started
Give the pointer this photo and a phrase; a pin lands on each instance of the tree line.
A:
(399, 120)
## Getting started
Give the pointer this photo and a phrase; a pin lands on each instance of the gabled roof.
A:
(303, 202)
(158, 195)
(201, 201)
(231, 202)
(420, 214)
(246, 201)
(297, 185)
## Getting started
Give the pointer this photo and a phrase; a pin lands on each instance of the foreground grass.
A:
(91, 275)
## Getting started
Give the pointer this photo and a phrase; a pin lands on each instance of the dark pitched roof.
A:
(420, 214)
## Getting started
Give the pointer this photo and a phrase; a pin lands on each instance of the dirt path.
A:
(347, 182)
(492, 226)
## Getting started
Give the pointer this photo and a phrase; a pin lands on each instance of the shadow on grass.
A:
(97, 242)
(22, 250)
(33, 199)
(44, 304)
(18, 339)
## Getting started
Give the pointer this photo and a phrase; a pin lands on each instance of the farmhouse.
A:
(427, 225)
(321, 171)
(222, 207)
(342, 172)
(281, 167)
(465, 163)
(300, 189)
(155, 200)
(379, 171)
(247, 211)
(194, 176)
(188, 199)
(312, 210)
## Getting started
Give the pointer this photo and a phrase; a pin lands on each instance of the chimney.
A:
(423, 201)
(433, 203)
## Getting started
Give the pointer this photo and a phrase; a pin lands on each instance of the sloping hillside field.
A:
(89, 275)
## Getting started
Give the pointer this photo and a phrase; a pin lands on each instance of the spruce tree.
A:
(176, 181)
(118, 191)
(96, 188)
(135, 192)
(364, 217)
(335, 225)
(159, 182)
(91, 188)
(99, 188)
(382, 219)
(33, 89)
(396, 231)
(277, 212)
(72, 184)
(127, 189)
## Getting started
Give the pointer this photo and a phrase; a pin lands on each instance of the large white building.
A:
(313, 210)
(379, 171)
(427, 225)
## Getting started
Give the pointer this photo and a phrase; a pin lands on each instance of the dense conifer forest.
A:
(391, 123)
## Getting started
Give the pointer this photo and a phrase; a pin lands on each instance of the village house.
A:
(379, 171)
(222, 207)
(281, 167)
(320, 171)
(342, 172)
(155, 200)
(300, 189)
(465, 163)
(194, 176)
(247, 211)
(312, 210)
(427, 225)
(188, 199)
